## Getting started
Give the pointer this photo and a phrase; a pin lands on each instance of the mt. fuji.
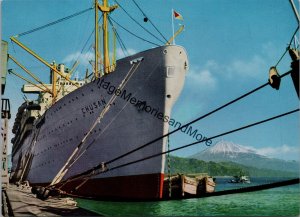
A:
(225, 151)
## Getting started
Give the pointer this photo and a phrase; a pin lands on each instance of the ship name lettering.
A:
(94, 105)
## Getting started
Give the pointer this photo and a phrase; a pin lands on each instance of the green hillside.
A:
(189, 165)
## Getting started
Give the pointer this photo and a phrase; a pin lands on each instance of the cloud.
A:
(120, 53)
(251, 68)
(254, 67)
(284, 151)
(83, 58)
(203, 78)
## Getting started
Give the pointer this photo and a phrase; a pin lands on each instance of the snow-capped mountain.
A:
(224, 151)
(228, 148)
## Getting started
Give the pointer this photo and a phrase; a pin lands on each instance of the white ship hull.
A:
(139, 114)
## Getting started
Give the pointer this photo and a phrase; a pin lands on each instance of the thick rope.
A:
(97, 169)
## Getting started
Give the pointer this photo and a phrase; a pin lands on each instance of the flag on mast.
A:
(177, 15)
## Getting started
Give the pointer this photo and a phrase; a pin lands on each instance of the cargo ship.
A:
(126, 104)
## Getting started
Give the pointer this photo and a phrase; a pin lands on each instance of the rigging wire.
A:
(134, 33)
(80, 30)
(122, 45)
(149, 20)
(84, 46)
(195, 120)
(54, 22)
(93, 171)
(139, 23)
(288, 47)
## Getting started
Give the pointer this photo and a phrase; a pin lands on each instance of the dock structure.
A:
(19, 201)
(5, 115)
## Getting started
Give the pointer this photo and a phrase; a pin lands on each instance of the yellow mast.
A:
(54, 80)
(96, 40)
(105, 9)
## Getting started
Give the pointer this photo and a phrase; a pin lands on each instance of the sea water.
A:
(282, 201)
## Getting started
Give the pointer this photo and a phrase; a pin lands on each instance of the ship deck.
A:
(19, 201)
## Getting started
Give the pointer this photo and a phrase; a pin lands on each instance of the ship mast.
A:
(105, 9)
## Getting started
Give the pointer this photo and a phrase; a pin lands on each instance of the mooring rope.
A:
(195, 120)
(99, 168)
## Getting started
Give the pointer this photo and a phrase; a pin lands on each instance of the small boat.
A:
(186, 185)
(240, 179)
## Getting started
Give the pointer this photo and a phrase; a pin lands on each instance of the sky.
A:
(231, 45)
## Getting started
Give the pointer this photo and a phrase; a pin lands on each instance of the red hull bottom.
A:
(145, 187)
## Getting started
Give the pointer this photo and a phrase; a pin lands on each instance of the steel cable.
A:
(54, 22)
(138, 22)
(134, 33)
(149, 20)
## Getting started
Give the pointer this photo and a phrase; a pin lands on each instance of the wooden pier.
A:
(19, 201)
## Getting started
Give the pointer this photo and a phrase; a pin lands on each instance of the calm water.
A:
(283, 201)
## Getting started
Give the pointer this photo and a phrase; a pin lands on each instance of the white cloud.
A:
(253, 67)
(83, 58)
(250, 68)
(120, 53)
(212, 64)
(203, 78)
(283, 151)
